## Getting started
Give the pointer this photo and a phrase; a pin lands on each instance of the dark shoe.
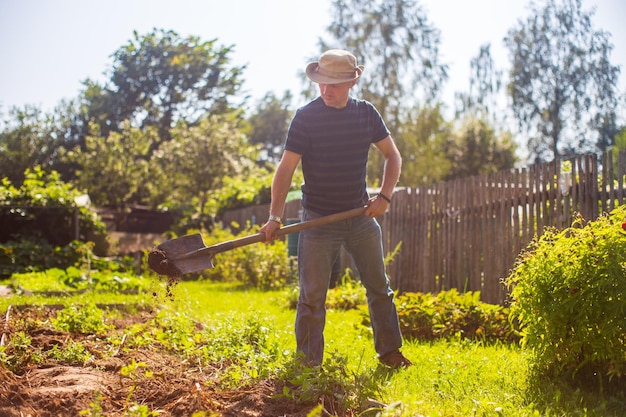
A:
(395, 360)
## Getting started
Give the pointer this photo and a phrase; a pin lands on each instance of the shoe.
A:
(395, 360)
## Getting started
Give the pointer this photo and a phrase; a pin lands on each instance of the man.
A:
(331, 136)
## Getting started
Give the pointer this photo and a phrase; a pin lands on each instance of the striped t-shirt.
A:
(334, 145)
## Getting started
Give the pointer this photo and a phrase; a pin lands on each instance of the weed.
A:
(18, 352)
(135, 371)
(72, 353)
(84, 319)
(334, 385)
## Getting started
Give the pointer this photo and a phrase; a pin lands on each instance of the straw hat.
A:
(334, 66)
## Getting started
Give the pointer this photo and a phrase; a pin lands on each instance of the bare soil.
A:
(177, 387)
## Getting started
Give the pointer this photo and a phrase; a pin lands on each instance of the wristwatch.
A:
(274, 218)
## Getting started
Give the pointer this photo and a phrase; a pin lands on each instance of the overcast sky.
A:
(49, 47)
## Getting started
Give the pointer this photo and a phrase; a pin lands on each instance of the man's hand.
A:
(376, 206)
(270, 229)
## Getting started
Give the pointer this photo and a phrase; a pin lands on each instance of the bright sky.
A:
(48, 48)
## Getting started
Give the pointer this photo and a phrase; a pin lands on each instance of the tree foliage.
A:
(476, 149)
(435, 150)
(422, 141)
(28, 138)
(485, 85)
(116, 169)
(269, 125)
(159, 79)
(562, 84)
(198, 159)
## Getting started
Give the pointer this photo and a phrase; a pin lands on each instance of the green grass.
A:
(449, 378)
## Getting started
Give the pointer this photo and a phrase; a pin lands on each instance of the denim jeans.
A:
(318, 248)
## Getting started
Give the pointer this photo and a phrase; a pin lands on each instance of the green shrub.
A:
(260, 265)
(43, 207)
(449, 314)
(38, 224)
(569, 294)
(18, 353)
(35, 254)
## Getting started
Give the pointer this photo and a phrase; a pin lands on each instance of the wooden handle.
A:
(292, 228)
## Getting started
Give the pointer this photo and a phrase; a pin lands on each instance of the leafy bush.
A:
(36, 255)
(449, 314)
(44, 207)
(38, 224)
(569, 295)
(260, 265)
(334, 385)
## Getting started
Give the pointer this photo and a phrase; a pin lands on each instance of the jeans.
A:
(318, 248)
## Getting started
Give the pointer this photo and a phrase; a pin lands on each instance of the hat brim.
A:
(316, 77)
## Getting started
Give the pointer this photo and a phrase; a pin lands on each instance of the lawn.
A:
(220, 349)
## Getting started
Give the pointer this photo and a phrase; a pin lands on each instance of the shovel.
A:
(188, 254)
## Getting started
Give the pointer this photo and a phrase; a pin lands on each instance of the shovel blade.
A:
(182, 246)
(187, 253)
(197, 264)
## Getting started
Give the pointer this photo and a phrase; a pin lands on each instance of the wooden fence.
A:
(467, 233)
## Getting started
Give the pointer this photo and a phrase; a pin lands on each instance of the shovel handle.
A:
(285, 230)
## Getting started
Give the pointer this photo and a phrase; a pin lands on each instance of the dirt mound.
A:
(174, 387)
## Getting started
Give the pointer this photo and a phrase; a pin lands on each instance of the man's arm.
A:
(391, 175)
(393, 165)
(280, 187)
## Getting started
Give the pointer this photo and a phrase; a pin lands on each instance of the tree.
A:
(422, 141)
(116, 169)
(562, 84)
(159, 79)
(477, 150)
(198, 159)
(269, 125)
(485, 86)
(28, 139)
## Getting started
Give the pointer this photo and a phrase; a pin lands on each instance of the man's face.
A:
(336, 95)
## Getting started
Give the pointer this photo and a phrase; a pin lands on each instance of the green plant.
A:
(136, 371)
(44, 207)
(18, 352)
(95, 407)
(84, 319)
(260, 265)
(333, 384)
(72, 353)
(568, 292)
(450, 315)
(248, 344)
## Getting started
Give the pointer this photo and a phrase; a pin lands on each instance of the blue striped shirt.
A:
(334, 145)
